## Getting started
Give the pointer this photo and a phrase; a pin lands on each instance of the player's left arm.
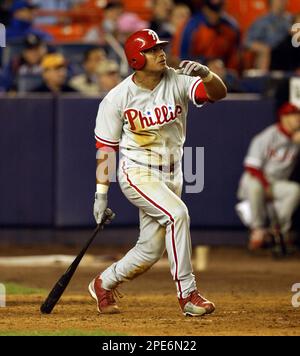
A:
(214, 86)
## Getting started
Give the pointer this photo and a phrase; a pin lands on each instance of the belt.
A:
(162, 168)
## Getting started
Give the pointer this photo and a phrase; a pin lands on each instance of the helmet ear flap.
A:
(139, 61)
(142, 60)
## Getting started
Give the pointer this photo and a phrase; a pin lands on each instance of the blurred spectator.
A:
(111, 13)
(28, 62)
(108, 73)
(129, 23)
(54, 75)
(194, 5)
(116, 27)
(210, 34)
(267, 32)
(21, 24)
(285, 56)
(160, 21)
(229, 77)
(5, 14)
(86, 83)
(180, 14)
(266, 183)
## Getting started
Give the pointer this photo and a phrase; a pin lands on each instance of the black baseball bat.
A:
(62, 283)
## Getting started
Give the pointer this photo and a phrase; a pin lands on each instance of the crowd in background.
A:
(36, 59)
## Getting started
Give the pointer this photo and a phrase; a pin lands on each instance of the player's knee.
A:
(294, 191)
(256, 188)
(181, 213)
(158, 251)
(152, 250)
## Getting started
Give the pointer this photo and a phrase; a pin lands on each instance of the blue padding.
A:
(26, 172)
(224, 129)
(75, 161)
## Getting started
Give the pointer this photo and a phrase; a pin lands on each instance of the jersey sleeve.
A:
(108, 125)
(256, 158)
(192, 88)
(257, 153)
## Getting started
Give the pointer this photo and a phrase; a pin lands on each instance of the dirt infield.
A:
(252, 296)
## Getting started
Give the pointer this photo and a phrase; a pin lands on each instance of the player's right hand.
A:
(192, 68)
(100, 206)
(269, 193)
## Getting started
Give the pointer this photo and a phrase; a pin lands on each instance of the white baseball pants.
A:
(164, 224)
(286, 200)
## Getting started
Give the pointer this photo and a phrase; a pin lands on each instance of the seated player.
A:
(268, 165)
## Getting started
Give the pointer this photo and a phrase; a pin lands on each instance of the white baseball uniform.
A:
(149, 127)
(270, 160)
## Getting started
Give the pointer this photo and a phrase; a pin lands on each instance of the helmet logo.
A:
(154, 35)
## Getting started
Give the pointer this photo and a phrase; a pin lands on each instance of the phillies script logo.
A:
(159, 116)
(282, 154)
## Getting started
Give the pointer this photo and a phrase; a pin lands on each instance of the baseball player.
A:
(145, 117)
(265, 183)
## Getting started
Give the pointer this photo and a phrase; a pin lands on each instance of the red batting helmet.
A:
(137, 43)
(288, 108)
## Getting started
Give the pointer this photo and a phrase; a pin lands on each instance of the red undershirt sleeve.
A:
(200, 94)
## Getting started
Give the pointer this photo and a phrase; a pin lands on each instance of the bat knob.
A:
(108, 216)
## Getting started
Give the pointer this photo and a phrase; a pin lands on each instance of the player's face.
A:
(295, 121)
(292, 121)
(156, 60)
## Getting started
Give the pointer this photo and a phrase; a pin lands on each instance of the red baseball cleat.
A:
(105, 299)
(257, 239)
(196, 305)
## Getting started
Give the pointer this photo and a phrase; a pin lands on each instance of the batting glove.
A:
(100, 207)
(193, 69)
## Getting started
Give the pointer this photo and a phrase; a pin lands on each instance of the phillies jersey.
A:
(149, 126)
(273, 152)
